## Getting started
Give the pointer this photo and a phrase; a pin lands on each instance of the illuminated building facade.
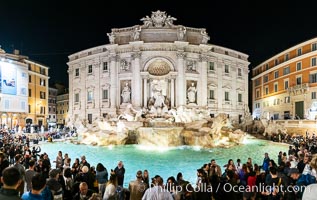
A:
(52, 118)
(62, 108)
(154, 65)
(285, 86)
(13, 90)
(37, 94)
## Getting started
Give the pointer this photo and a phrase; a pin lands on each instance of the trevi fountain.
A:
(160, 87)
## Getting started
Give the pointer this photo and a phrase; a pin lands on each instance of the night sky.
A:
(49, 30)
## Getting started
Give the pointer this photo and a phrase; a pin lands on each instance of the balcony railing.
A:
(298, 89)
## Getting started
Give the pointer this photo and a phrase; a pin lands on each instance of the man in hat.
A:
(157, 192)
(54, 185)
(137, 187)
(153, 181)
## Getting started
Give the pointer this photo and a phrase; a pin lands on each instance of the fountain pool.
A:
(165, 162)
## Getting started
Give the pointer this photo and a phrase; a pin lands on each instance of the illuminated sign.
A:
(8, 78)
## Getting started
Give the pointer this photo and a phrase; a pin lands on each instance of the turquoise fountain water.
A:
(165, 162)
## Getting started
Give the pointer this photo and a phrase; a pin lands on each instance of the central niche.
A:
(159, 68)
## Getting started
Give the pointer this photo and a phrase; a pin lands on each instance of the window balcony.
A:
(212, 101)
(298, 89)
(227, 102)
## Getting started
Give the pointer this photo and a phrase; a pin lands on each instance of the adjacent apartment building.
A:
(24, 89)
(38, 94)
(285, 86)
(52, 118)
(62, 109)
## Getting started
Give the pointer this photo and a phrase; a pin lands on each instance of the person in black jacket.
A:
(4, 163)
(11, 180)
(53, 184)
(119, 171)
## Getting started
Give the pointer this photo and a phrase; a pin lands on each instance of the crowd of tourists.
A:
(309, 140)
(27, 173)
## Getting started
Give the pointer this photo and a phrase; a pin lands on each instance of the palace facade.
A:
(157, 65)
(285, 86)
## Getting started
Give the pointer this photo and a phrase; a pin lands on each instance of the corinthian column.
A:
(180, 92)
(137, 81)
(203, 81)
(113, 81)
(172, 92)
(145, 91)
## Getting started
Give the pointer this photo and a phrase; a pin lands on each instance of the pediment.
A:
(214, 85)
(227, 86)
(106, 85)
(91, 87)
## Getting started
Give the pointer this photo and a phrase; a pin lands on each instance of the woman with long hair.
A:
(75, 167)
(111, 187)
(145, 177)
(102, 177)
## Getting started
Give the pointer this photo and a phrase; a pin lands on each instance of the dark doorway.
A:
(90, 118)
(287, 115)
(28, 121)
(299, 109)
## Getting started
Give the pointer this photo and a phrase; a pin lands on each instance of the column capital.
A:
(203, 58)
(173, 76)
(180, 54)
(137, 54)
(113, 57)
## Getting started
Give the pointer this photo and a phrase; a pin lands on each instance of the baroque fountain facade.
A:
(158, 84)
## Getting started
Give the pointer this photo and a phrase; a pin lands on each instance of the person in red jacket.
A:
(250, 190)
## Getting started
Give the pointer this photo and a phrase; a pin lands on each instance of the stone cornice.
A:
(164, 48)
(177, 46)
(137, 54)
(205, 48)
(180, 44)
